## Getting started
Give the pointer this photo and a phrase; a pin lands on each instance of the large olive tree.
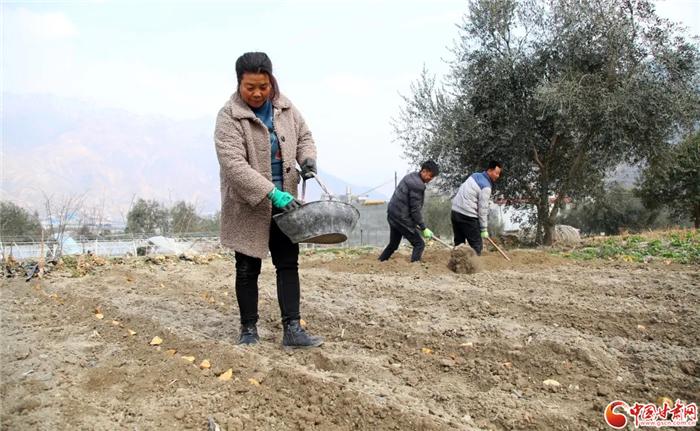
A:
(560, 91)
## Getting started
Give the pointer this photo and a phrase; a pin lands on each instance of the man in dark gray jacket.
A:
(404, 212)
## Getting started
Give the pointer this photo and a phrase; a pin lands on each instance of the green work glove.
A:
(283, 200)
(484, 234)
(427, 233)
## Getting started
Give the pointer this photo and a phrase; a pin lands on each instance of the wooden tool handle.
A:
(442, 242)
(499, 249)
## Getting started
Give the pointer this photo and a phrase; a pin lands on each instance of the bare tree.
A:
(60, 212)
(92, 218)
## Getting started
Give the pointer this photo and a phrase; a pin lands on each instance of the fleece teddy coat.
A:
(243, 149)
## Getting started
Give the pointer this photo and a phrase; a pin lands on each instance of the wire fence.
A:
(108, 246)
(372, 229)
(142, 246)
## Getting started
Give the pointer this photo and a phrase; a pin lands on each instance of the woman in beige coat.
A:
(260, 136)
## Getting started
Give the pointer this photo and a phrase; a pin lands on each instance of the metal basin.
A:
(319, 222)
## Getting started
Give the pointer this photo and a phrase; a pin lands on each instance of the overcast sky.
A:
(343, 63)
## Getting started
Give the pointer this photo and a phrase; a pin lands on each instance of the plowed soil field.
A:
(408, 346)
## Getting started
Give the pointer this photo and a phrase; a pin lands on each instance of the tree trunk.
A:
(550, 224)
(696, 212)
(542, 219)
(542, 207)
(548, 233)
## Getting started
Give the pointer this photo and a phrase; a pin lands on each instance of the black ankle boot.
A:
(249, 334)
(295, 337)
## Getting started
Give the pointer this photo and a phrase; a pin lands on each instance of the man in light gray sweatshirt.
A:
(470, 207)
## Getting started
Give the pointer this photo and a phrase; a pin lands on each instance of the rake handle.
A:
(442, 242)
(498, 248)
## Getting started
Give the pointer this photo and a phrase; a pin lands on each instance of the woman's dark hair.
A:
(256, 62)
(431, 166)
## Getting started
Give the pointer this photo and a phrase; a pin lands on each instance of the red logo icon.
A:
(616, 420)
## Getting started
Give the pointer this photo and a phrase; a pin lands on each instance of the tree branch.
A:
(537, 158)
(573, 169)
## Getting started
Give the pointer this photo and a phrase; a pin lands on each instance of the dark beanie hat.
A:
(253, 62)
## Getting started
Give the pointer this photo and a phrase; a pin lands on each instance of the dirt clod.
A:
(463, 260)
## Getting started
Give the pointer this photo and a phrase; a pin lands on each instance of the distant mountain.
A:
(60, 146)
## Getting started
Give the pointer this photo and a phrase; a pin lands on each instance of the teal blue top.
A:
(265, 114)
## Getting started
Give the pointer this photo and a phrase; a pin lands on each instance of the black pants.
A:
(468, 228)
(285, 257)
(397, 231)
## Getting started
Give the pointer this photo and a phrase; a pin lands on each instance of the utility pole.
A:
(396, 182)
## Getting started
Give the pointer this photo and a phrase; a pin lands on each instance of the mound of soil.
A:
(434, 261)
(463, 260)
